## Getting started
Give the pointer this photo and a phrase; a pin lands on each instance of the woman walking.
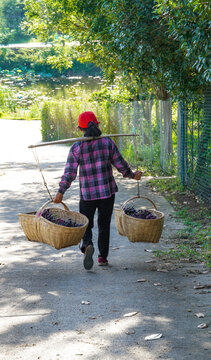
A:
(97, 185)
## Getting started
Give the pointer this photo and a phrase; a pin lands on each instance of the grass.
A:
(192, 243)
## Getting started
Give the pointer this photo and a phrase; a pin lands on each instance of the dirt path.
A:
(42, 289)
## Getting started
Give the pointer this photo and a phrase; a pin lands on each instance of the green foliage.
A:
(38, 61)
(11, 16)
(107, 106)
(24, 92)
(16, 102)
(6, 100)
(56, 121)
(189, 24)
(59, 119)
(125, 39)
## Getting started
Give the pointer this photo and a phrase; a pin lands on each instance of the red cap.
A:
(85, 118)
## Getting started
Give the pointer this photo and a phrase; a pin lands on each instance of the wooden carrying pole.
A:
(65, 141)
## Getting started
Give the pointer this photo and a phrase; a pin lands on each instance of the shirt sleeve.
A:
(120, 163)
(70, 171)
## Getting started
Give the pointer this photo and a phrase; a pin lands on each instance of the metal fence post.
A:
(182, 167)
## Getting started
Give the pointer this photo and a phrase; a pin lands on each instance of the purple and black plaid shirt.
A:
(95, 159)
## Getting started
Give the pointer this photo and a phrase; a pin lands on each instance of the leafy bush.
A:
(37, 60)
(59, 118)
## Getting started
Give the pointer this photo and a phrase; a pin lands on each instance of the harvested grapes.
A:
(139, 214)
(48, 215)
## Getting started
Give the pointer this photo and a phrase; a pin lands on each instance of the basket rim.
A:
(62, 210)
(139, 197)
(31, 213)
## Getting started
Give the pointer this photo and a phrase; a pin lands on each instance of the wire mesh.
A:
(173, 136)
(195, 146)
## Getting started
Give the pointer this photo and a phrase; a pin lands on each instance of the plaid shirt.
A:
(95, 159)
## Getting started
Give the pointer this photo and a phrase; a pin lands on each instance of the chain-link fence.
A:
(194, 145)
(153, 121)
(172, 136)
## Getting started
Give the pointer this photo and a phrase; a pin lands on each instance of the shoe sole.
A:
(102, 264)
(88, 261)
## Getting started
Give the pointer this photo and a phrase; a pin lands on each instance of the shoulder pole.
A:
(65, 141)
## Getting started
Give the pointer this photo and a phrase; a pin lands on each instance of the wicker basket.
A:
(37, 228)
(140, 230)
(29, 224)
(118, 214)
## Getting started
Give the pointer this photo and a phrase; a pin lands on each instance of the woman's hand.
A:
(138, 175)
(58, 198)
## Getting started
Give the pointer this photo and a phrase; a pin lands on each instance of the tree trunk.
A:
(167, 131)
(147, 109)
(157, 115)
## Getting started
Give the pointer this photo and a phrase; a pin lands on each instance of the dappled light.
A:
(143, 68)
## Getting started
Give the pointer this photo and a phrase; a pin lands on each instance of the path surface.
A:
(42, 289)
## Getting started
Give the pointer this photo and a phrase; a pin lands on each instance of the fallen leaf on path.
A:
(199, 286)
(115, 248)
(141, 280)
(200, 315)
(130, 332)
(162, 270)
(202, 326)
(85, 302)
(131, 314)
(79, 331)
(149, 261)
(157, 284)
(153, 337)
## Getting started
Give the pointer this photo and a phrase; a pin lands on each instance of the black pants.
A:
(105, 209)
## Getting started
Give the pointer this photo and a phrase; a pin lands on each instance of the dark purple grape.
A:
(47, 214)
(140, 214)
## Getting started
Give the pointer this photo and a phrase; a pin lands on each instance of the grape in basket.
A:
(58, 221)
(139, 214)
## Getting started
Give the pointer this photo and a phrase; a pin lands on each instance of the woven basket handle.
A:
(48, 202)
(143, 197)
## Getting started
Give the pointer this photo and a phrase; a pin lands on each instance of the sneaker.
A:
(88, 260)
(102, 261)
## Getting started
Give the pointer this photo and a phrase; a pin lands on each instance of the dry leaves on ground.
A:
(153, 337)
